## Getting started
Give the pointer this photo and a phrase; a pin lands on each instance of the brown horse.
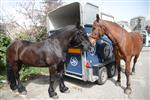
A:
(126, 45)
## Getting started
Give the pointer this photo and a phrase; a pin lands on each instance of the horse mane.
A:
(104, 22)
(61, 30)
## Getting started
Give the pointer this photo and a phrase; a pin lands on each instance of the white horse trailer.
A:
(95, 64)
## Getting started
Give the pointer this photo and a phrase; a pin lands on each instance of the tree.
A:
(37, 16)
(34, 14)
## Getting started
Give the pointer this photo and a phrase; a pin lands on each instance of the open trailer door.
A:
(63, 16)
(71, 14)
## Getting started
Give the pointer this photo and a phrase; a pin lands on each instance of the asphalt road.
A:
(140, 83)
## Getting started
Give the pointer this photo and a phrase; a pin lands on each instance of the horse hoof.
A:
(24, 93)
(118, 83)
(22, 89)
(14, 88)
(128, 91)
(65, 90)
(55, 97)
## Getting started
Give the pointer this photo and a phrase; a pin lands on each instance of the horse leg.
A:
(127, 73)
(62, 86)
(21, 88)
(117, 61)
(11, 75)
(118, 83)
(52, 76)
(134, 62)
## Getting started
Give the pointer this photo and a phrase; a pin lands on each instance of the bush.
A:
(4, 42)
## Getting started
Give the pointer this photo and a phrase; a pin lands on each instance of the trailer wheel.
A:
(102, 75)
(111, 68)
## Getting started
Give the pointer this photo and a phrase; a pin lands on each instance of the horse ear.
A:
(97, 17)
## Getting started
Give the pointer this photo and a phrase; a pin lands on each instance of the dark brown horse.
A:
(126, 45)
(49, 53)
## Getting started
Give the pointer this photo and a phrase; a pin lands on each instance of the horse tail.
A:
(8, 70)
(10, 75)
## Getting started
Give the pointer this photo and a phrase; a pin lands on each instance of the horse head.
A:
(81, 39)
(98, 30)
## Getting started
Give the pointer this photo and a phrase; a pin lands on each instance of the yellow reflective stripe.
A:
(74, 50)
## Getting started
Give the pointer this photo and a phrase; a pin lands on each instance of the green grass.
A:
(25, 74)
(31, 72)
